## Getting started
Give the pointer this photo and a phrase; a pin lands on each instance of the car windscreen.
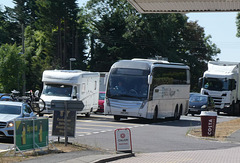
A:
(202, 99)
(101, 96)
(10, 109)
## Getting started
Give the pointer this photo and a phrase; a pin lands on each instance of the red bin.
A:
(208, 123)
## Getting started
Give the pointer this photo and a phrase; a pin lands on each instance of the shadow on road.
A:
(179, 123)
(6, 140)
(164, 122)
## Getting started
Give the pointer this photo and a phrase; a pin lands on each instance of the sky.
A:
(220, 25)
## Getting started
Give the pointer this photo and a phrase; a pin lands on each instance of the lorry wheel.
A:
(232, 109)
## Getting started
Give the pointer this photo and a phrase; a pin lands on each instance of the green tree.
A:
(9, 29)
(59, 20)
(37, 52)
(118, 31)
(238, 24)
(196, 49)
(12, 67)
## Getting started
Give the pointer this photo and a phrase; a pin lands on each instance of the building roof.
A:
(184, 6)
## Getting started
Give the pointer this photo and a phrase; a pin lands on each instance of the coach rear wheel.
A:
(176, 114)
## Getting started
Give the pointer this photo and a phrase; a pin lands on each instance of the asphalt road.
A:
(162, 136)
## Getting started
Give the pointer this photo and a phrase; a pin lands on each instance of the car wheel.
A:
(117, 117)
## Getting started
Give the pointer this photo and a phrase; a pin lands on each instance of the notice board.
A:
(59, 124)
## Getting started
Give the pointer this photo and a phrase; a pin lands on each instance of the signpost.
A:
(123, 140)
(64, 117)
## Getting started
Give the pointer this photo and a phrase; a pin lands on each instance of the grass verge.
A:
(57, 147)
(223, 129)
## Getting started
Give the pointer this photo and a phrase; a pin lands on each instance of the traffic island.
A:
(223, 130)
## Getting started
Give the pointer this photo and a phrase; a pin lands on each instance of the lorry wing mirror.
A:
(150, 78)
(232, 84)
(74, 97)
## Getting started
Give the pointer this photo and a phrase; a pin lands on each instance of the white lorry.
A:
(222, 82)
(71, 85)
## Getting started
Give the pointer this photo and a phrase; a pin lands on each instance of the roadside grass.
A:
(55, 148)
(223, 130)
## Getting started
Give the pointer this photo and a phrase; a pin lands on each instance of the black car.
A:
(199, 102)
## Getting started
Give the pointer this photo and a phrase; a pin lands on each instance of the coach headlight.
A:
(107, 102)
(143, 104)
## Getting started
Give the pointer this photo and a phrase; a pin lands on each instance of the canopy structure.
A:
(184, 6)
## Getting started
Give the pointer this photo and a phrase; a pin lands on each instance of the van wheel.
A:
(117, 117)
(87, 114)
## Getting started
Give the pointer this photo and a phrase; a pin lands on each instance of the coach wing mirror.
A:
(75, 96)
(150, 78)
(200, 82)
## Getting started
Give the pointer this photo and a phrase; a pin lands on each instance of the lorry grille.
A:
(217, 101)
(3, 124)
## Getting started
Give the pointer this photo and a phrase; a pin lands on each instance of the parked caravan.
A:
(71, 85)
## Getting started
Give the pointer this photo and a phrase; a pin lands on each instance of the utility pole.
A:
(23, 51)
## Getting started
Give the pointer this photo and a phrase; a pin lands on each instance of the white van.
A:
(71, 85)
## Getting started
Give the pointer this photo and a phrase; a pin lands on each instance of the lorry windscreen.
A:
(57, 90)
(216, 84)
(128, 84)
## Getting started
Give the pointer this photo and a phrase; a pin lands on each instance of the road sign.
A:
(30, 133)
(123, 140)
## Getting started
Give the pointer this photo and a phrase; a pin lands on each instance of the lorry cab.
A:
(221, 82)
